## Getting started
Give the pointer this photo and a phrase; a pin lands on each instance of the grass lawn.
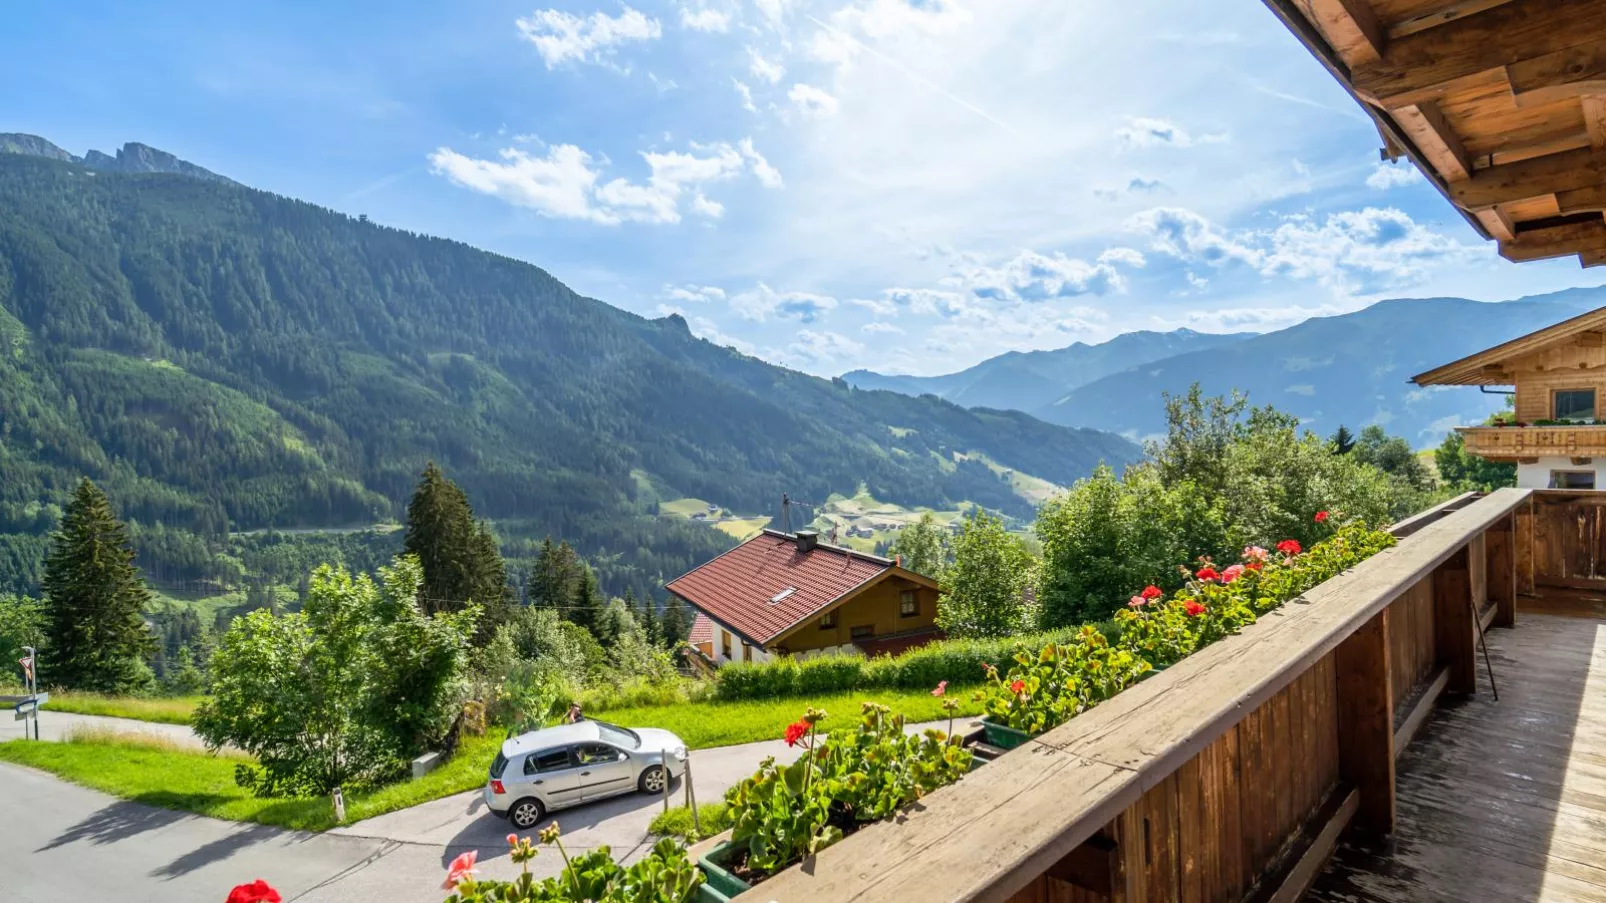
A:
(705, 724)
(677, 822)
(160, 775)
(166, 710)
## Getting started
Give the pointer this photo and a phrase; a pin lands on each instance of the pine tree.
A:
(95, 599)
(675, 626)
(462, 563)
(647, 616)
(1343, 440)
(555, 580)
(588, 609)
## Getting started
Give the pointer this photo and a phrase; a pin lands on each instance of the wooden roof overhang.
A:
(1488, 367)
(1500, 103)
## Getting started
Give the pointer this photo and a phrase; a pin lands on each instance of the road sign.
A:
(30, 703)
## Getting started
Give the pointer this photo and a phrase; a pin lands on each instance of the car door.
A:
(553, 774)
(604, 770)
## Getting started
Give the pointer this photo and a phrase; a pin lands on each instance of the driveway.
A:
(62, 842)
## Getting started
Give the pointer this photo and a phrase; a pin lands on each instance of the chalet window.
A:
(747, 653)
(828, 620)
(864, 631)
(725, 643)
(1575, 404)
(1572, 479)
(908, 604)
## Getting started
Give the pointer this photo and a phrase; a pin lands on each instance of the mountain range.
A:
(226, 359)
(1351, 369)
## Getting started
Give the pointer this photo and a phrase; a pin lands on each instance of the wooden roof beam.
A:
(1595, 118)
(1592, 258)
(1562, 75)
(1531, 178)
(1418, 66)
(1451, 12)
(1582, 200)
(1556, 241)
(1438, 142)
(1352, 28)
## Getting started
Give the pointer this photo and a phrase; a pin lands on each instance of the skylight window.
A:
(782, 595)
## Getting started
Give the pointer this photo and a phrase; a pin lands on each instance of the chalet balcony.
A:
(1347, 747)
(1517, 442)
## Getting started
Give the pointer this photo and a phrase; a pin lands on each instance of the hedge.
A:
(958, 661)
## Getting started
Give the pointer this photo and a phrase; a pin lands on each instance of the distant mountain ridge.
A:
(131, 157)
(1029, 380)
(1352, 369)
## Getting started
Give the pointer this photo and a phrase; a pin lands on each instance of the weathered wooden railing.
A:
(1229, 776)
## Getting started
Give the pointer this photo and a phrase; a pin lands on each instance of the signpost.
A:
(27, 705)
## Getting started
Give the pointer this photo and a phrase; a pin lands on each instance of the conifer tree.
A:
(554, 581)
(95, 599)
(1343, 440)
(461, 561)
(589, 609)
(675, 626)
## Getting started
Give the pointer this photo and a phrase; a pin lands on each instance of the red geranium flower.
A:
(1207, 574)
(1194, 609)
(1289, 547)
(1231, 573)
(942, 687)
(1017, 687)
(257, 891)
(1151, 592)
(796, 731)
(1255, 565)
(1321, 517)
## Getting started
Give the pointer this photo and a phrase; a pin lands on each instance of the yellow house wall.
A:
(1575, 365)
(876, 606)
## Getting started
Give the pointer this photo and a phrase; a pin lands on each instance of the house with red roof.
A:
(790, 594)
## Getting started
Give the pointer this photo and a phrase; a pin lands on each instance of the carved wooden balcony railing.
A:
(1516, 442)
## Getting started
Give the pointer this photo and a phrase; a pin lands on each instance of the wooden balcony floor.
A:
(1501, 801)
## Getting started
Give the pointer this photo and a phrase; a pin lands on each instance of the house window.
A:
(1575, 404)
(864, 631)
(908, 604)
(1572, 479)
(828, 621)
(725, 643)
(747, 653)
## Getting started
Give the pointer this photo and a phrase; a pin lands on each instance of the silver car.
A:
(563, 766)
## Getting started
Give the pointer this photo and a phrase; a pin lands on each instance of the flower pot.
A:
(718, 884)
(1003, 736)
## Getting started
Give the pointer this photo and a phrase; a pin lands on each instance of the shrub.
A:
(664, 875)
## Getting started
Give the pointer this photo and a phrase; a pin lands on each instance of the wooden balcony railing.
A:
(1512, 442)
(1230, 775)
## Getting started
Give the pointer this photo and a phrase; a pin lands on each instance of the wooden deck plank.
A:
(1500, 800)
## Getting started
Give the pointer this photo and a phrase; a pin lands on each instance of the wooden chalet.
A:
(1500, 103)
(790, 594)
(1556, 434)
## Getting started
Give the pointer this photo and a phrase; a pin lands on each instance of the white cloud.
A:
(1143, 131)
(774, 10)
(888, 18)
(704, 328)
(1353, 252)
(876, 306)
(746, 95)
(880, 328)
(929, 301)
(704, 19)
(566, 183)
(1035, 277)
(818, 348)
(1134, 185)
(1196, 282)
(763, 68)
(763, 302)
(812, 100)
(561, 37)
(1392, 175)
(768, 176)
(696, 293)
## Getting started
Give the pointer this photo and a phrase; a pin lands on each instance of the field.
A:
(164, 710)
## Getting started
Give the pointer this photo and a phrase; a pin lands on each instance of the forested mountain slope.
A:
(1028, 380)
(224, 358)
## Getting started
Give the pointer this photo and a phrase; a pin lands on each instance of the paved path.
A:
(61, 842)
(57, 725)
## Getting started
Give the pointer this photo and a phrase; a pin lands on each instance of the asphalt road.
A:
(61, 842)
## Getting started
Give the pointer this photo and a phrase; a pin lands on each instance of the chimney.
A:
(807, 540)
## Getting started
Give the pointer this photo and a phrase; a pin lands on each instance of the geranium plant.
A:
(664, 875)
(1058, 682)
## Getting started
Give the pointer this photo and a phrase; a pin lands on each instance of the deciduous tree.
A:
(987, 587)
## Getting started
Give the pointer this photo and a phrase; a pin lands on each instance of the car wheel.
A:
(526, 813)
(652, 780)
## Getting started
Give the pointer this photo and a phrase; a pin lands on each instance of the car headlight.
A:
(680, 754)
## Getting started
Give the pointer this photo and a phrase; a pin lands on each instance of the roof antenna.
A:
(786, 514)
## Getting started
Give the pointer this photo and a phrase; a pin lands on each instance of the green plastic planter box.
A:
(1003, 736)
(718, 885)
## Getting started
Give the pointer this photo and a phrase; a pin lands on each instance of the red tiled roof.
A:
(735, 589)
(702, 630)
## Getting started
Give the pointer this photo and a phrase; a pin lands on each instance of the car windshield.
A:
(498, 765)
(619, 736)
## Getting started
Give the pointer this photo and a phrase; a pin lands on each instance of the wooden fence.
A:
(1231, 775)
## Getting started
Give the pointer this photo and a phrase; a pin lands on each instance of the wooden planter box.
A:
(1003, 736)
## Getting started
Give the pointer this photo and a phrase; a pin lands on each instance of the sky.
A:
(909, 186)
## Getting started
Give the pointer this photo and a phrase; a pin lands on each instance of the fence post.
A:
(1366, 722)
(1455, 636)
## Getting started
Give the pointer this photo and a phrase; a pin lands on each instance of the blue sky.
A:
(905, 185)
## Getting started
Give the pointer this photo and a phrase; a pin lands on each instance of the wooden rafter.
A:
(1531, 178)
(1564, 74)
(1351, 26)
(1592, 258)
(1448, 13)
(1582, 200)
(1556, 241)
(1426, 125)
(1419, 66)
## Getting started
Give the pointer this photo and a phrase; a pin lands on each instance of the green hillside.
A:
(224, 359)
